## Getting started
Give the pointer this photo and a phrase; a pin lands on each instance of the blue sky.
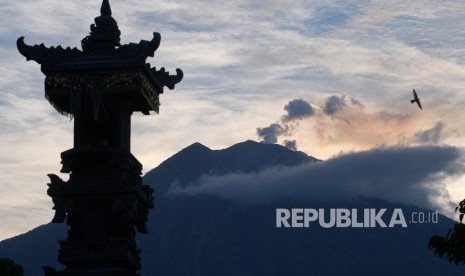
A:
(243, 62)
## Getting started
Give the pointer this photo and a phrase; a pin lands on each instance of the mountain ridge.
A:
(196, 160)
(208, 235)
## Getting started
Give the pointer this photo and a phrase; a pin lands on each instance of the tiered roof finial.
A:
(104, 34)
(105, 10)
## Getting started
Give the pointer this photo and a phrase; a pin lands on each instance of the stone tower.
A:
(104, 201)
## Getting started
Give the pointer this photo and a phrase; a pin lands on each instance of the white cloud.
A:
(410, 176)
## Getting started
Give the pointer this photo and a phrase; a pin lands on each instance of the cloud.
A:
(334, 104)
(297, 109)
(290, 144)
(271, 133)
(407, 175)
(432, 135)
(343, 123)
(356, 102)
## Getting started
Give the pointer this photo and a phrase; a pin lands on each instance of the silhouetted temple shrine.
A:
(104, 201)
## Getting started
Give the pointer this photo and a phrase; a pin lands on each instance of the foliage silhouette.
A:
(452, 246)
(9, 268)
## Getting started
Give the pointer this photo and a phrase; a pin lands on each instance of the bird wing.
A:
(419, 104)
(415, 96)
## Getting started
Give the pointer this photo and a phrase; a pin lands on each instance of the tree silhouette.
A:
(9, 268)
(452, 246)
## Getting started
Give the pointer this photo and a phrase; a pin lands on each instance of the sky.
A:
(330, 78)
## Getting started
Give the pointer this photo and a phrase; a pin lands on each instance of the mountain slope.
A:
(208, 235)
(186, 166)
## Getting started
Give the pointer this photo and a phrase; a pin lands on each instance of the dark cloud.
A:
(432, 135)
(271, 133)
(290, 144)
(334, 104)
(297, 109)
(411, 175)
(356, 102)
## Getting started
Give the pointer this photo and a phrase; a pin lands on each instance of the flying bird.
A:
(416, 99)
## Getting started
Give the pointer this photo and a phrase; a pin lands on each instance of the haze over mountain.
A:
(215, 213)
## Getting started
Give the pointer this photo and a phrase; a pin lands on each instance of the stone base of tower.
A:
(103, 203)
